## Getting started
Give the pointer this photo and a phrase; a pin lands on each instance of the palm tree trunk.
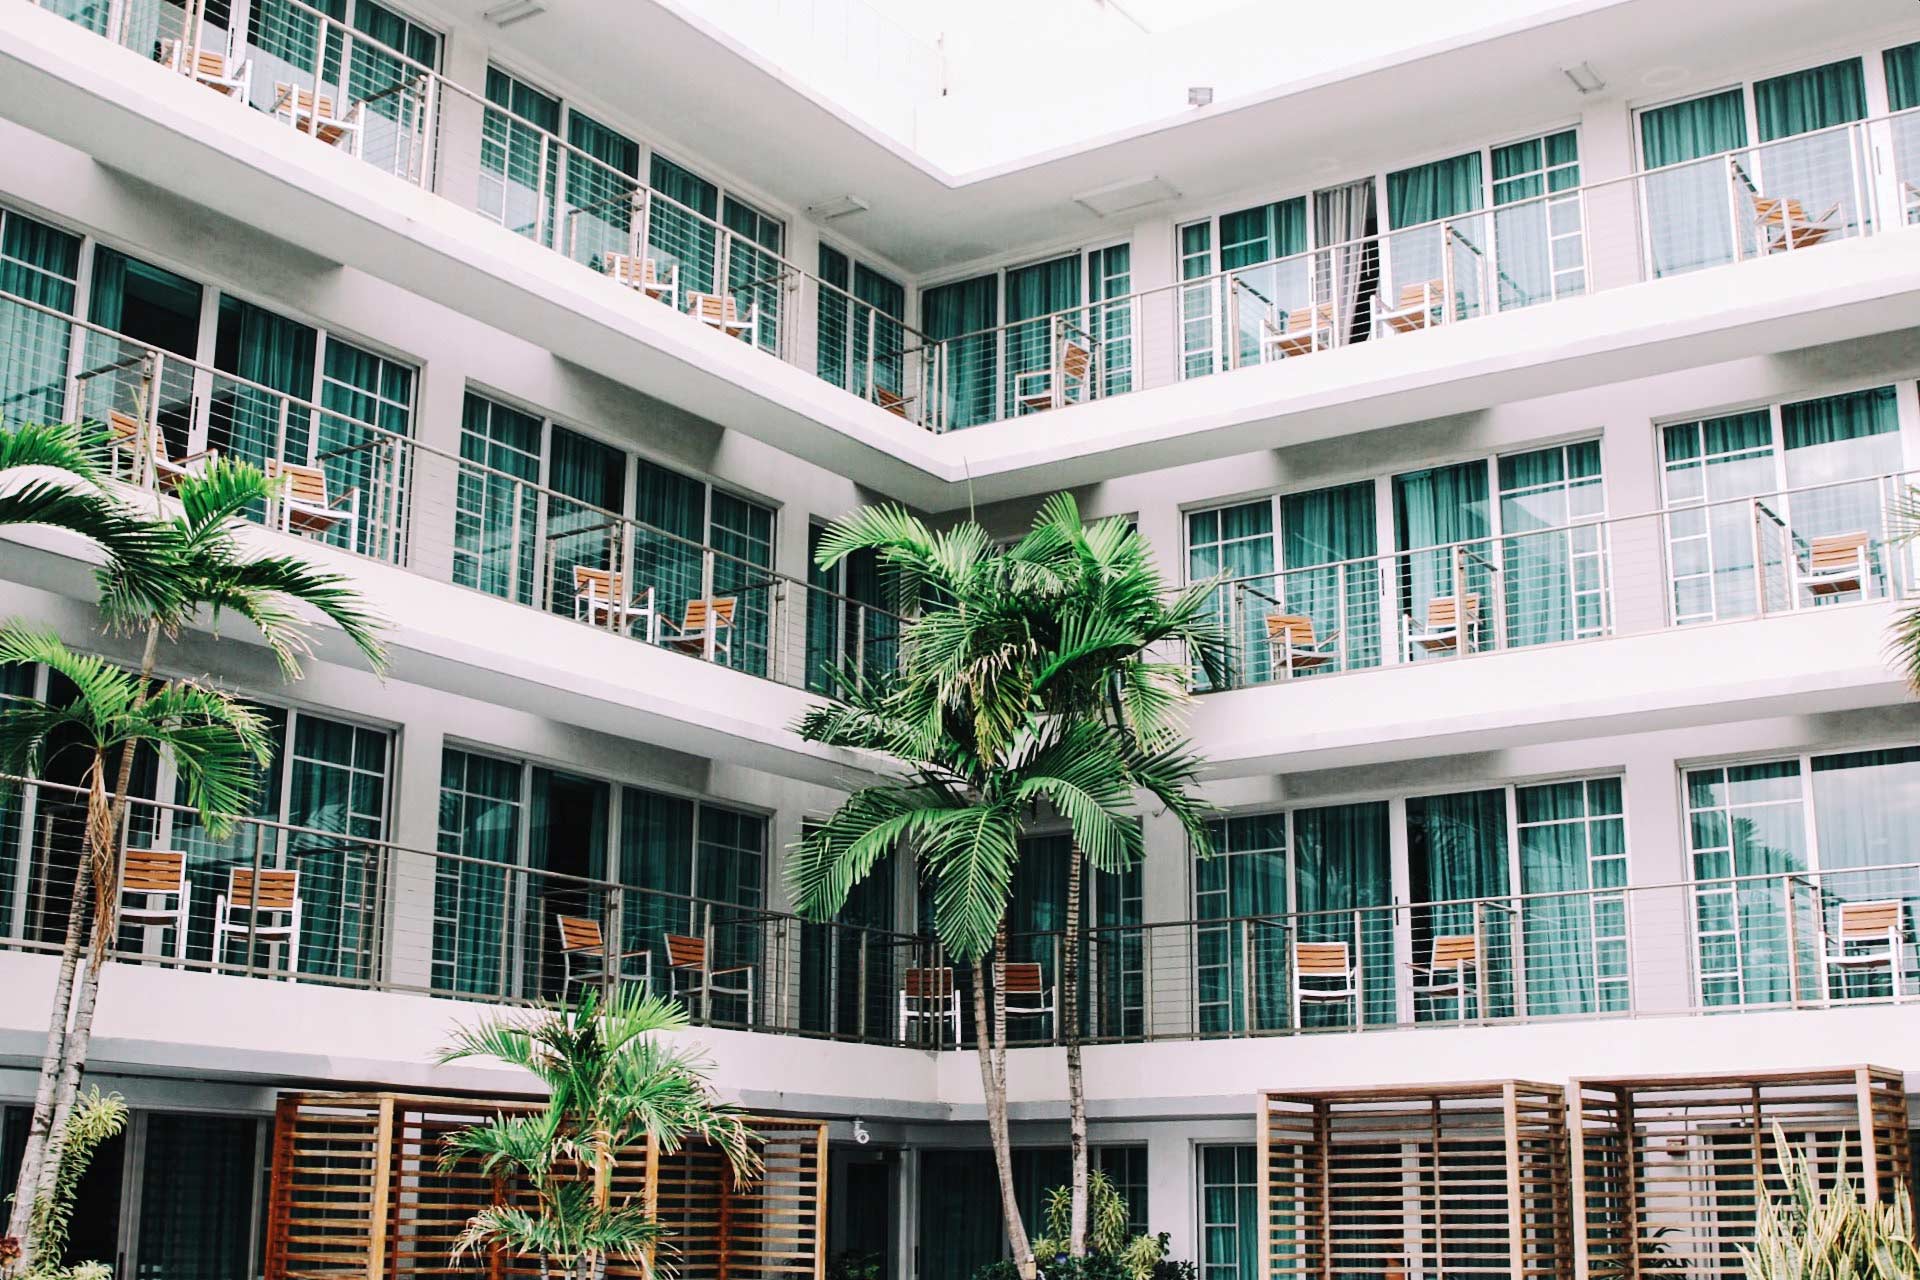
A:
(1076, 1081)
(990, 1035)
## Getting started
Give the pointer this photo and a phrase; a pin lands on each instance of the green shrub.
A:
(1816, 1233)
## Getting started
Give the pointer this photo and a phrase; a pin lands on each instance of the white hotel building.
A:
(1554, 366)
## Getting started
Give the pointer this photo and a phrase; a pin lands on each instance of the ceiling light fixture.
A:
(1200, 95)
(513, 11)
(1584, 78)
(839, 207)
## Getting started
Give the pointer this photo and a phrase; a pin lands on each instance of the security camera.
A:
(860, 1134)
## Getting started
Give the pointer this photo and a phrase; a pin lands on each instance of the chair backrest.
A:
(1868, 919)
(701, 613)
(274, 891)
(301, 100)
(628, 269)
(1444, 612)
(684, 952)
(1302, 319)
(1321, 959)
(304, 484)
(890, 401)
(603, 583)
(1024, 979)
(1836, 550)
(123, 426)
(1290, 628)
(1454, 950)
(154, 871)
(579, 933)
(1076, 359)
(925, 984)
(713, 308)
(1421, 294)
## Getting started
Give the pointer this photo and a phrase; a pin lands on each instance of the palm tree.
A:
(611, 1083)
(1903, 645)
(216, 746)
(1023, 679)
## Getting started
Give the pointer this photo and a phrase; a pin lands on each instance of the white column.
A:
(1173, 1189)
(1154, 267)
(416, 830)
(1660, 920)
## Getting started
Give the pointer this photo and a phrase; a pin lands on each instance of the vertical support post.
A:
(820, 1181)
(706, 963)
(1516, 1216)
(650, 1197)
(1447, 281)
(382, 1189)
(1869, 1134)
(1793, 941)
(1246, 977)
(1263, 1192)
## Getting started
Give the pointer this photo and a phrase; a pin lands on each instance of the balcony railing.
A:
(366, 913)
(456, 519)
(1815, 546)
(336, 86)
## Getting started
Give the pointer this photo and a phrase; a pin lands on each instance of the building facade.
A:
(1546, 395)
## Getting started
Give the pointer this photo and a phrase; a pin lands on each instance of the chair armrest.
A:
(1021, 379)
(738, 968)
(350, 498)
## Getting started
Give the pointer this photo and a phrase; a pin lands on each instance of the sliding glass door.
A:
(1343, 866)
(1236, 543)
(1803, 156)
(1329, 546)
(1746, 830)
(482, 823)
(960, 318)
(1688, 193)
(497, 501)
(1454, 263)
(1457, 872)
(1571, 840)
(1447, 563)
(1244, 887)
(1538, 235)
(519, 163)
(1553, 552)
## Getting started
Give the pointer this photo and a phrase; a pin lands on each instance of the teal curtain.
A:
(960, 1230)
(1322, 529)
(567, 835)
(756, 276)
(835, 321)
(1903, 95)
(1251, 242)
(656, 867)
(1441, 521)
(1424, 194)
(672, 513)
(1689, 208)
(885, 302)
(1040, 290)
(960, 318)
(1237, 542)
(1540, 251)
(1109, 280)
(198, 1203)
(1804, 101)
(729, 872)
(1230, 1218)
(1457, 874)
(742, 539)
(362, 390)
(682, 228)
(1246, 877)
(1037, 913)
(1821, 171)
(1709, 466)
(210, 858)
(40, 264)
(589, 482)
(480, 819)
(1344, 864)
(497, 505)
(513, 190)
(1553, 580)
(1572, 840)
(850, 626)
(600, 190)
(336, 783)
(1744, 820)
(1830, 442)
(1866, 814)
(1037, 1171)
(1440, 189)
(275, 352)
(831, 956)
(151, 307)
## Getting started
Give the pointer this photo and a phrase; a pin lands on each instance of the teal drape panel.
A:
(1230, 1218)
(831, 980)
(336, 782)
(1866, 807)
(497, 507)
(1237, 542)
(656, 867)
(1110, 279)
(1851, 437)
(1456, 860)
(835, 320)
(599, 206)
(1037, 1171)
(513, 189)
(1689, 209)
(197, 1196)
(1540, 254)
(1245, 877)
(1037, 909)
(849, 624)
(729, 872)
(210, 858)
(672, 512)
(1744, 820)
(583, 526)
(1553, 581)
(960, 1229)
(1441, 520)
(480, 819)
(1441, 189)
(681, 229)
(362, 390)
(38, 263)
(960, 318)
(1250, 242)
(742, 539)
(755, 273)
(1825, 171)
(1804, 101)
(1325, 528)
(256, 344)
(1571, 839)
(886, 310)
(1709, 535)
(1039, 290)
(1344, 862)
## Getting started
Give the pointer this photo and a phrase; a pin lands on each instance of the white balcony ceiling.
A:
(704, 96)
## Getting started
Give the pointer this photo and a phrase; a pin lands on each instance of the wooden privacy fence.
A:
(1423, 1181)
(357, 1193)
(1666, 1166)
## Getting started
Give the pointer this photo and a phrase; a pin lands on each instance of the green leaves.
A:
(1821, 1229)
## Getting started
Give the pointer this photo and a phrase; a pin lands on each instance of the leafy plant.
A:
(855, 1264)
(1815, 1232)
(1106, 1220)
(95, 1118)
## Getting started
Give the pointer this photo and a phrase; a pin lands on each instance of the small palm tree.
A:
(1903, 645)
(611, 1083)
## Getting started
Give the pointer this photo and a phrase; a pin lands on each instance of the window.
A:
(497, 502)
(1245, 877)
(852, 631)
(1903, 95)
(482, 815)
(1126, 1169)
(1230, 1226)
(685, 214)
(602, 174)
(861, 344)
(961, 316)
(1537, 230)
(1571, 839)
(1037, 927)
(40, 264)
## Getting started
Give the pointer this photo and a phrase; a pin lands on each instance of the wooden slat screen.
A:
(357, 1193)
(1665, 1166)
(1419, 1181)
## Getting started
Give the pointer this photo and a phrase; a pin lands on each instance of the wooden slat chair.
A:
(315, 115)
(1291, 641)
(706, 620)
(600, 599)
(1299, 332)
(1027, 993)
(266, 911)
(124, 430)
(1835, 565)
(303, 505)
(1449, 628)
(583, 955)
(1784, 226)
(892, 401)
(1068, 380)
(929, 995)
(154, 893)
(1419, 306)
(644, 274)
(1866, 936)
(687, 962)
(1452, 969)
(1332, 973)
(723, 313)
(214, 68)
